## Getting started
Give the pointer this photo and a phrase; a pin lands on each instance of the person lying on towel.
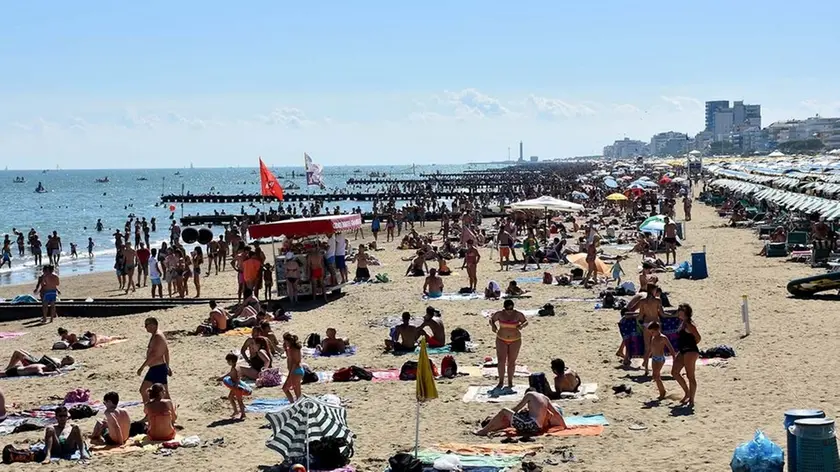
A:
(333, 346)
(534, 415)
(23, 363)
(433, 321)
(565, 380)
(403, 337)
(87, 340)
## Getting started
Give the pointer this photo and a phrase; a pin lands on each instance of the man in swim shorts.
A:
(403, 337)
(532, 416)
(157, 360)
(114, 429)
(433, 285)
(47, 286)
(63, 440)
(315, 261)
(670, 240)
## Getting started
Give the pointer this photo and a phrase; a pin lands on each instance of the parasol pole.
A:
(308, 416)
(417, 431)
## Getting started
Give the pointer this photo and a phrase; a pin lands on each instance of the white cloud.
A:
(680, 102)
(472, 102)
(626, 108)
(287, 116)
(553, 108)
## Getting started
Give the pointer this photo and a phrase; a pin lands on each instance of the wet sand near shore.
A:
(787, 362)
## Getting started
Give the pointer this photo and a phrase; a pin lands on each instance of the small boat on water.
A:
(142, 179)
(178, 173)
(103, 181)
(291, 185)
(19, 180)
(40, 188)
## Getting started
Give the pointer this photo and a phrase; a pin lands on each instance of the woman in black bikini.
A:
(687, 339)
(257, 352)
(198, 259)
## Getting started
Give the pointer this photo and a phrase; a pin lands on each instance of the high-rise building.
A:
(626, 148)
(711, 108)
(669, 143)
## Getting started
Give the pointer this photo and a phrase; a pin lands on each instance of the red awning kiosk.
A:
(302, 228)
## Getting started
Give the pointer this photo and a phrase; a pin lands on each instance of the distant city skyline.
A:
(165, 84)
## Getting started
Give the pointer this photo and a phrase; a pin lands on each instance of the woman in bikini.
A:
(186, 273)
(161, 414)
(292, 267)
(257, 352)
(292, 345)
(687, 339)
(198, 259)
(508, 342)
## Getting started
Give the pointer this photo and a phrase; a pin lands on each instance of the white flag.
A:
(314, 172)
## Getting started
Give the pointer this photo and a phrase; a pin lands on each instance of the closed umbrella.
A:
(579, 260)
(616, 197)
(425, 387)
(307, 420)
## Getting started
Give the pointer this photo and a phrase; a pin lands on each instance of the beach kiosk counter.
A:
(303, 228)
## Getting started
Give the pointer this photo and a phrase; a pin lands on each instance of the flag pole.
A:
(417, 431)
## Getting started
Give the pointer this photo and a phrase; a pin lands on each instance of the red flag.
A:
(268, 183)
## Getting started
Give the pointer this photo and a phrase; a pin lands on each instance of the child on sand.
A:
(73, 252)
(236, 393)
(617, 271)
(658, 344)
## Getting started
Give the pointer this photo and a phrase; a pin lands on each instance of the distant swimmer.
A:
(98, 225)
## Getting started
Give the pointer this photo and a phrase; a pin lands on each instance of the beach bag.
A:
(546, 310)
(609, 299)
(448, 367)
(408, 371)
(458, 340)
(269, 378)
(11, 455)
(758, 455)
(345, 374)
(538, 383)
(564, 280)
(137, 428)
(577, 272)
(663, 297)
(308, 376)
(405, 463)
(61, 345)
(326, 453)
(313, 340)
(722, 352)
(683, 271)
(548, 279)
(80, 412)
(465, 291)
(361, 374)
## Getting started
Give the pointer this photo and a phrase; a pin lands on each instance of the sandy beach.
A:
(785, 363)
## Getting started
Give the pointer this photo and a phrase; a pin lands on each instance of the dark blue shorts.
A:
(157, 374)
(340, 262)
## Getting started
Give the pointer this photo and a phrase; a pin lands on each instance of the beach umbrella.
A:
(665, 180)
(425, 386)
(654, 223)
(547, 203)
(580, 196)
(307, 420)
(616, 197)
(579, 260)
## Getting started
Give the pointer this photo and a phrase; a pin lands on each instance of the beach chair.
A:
(796, 238)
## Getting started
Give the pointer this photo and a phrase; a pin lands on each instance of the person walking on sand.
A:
(143, 256)
(157, 360)
(471, 259)
(658, 344)
(54, 248)
(130, 261)
(291, 387)
(47, 286)
(688, 337)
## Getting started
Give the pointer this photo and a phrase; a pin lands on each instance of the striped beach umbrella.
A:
(305, 421)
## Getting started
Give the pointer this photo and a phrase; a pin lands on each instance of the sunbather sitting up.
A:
(433, 322)
(514, 290)
(532, 416)
(403, 337)
(333, 346)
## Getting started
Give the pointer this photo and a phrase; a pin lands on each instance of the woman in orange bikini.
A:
(508, 341)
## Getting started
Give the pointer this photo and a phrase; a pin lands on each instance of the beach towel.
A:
(491, 372)
(379, 375)
(451, 297)
(10, 335)
(238, 332)
(489, 312)
(267, 405)
(529, 280)
(574, 299)
(315, 352)
(481, 394)
(631, 333)
(669, 361)
(586, 420)
(557, 431)
(25, 298)
(511, 461)
(139, 443)
(111, 342)
(12, 422)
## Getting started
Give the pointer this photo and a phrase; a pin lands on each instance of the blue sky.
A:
(160, 84)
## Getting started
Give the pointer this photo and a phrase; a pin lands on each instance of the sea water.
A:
(73, 201)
